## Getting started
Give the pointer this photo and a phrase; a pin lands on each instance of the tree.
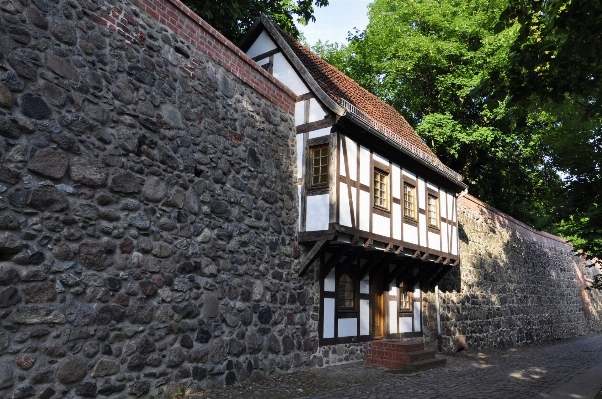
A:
(556, 53)
(428, 58)
(233, 18)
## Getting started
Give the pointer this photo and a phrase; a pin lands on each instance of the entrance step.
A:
(402, 356)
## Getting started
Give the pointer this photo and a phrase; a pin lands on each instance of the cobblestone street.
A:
(528, 372)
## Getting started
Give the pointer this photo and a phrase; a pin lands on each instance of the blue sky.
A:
(335, 20)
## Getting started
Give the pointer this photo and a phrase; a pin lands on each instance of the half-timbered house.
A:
(377, 209)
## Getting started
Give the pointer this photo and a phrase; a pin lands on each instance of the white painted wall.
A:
(299, 113)
(381, 225)
(365, 285)
(285, 73)
(443, 204)
(365, 172)
(352, 156)
(409, 174)
(263, 44)
(417, 327)
(329, 304)
(380, 159)
(444, 237)
(329, 281)
(393, 317)
(422, 228)
(405, 324)
(317, 211)
(299, 190)
(344, 209)
(364, 317)
(395, 186)
(316, 113)
(434, 241)
(397, 221)
(410, 234)
(364, 206)
(421, 192)
(347, 327)
(300, 156)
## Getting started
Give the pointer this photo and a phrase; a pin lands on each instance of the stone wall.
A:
(515, 286)
(148, 207)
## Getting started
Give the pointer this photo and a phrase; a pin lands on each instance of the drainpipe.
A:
(439, 339)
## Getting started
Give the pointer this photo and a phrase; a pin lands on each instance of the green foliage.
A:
(233, 18)
(556, 53)
(428, 58)
(505, 91)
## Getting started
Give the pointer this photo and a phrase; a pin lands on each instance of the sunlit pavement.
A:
(569, 369)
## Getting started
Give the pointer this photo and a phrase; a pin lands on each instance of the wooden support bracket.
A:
(312, 255)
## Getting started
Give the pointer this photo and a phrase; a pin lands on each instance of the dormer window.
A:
(319, 166)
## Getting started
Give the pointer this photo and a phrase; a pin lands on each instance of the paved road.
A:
(530, 372)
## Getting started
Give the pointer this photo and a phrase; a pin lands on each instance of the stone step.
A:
(407, 357)
(398, 346)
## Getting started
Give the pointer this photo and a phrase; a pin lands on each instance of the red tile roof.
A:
(339, 86)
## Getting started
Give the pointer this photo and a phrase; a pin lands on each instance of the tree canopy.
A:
(476, 83)
(233, 18)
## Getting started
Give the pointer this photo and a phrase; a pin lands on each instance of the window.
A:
(433, 209)
(409, 201)
(319, 166)
(381, 189)
(346, 293)
(405, 298)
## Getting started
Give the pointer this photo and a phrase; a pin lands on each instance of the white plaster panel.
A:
(410, 234)
(347, 327)
(263, 44)
(325, 131)
(364, 317)
(299, 113)
(365, 171)
(422, 228)
(285, 73)
(396, 186)
(329, 281)
(444, 237)
(365, 285)
(405, 324)
(393, 317)
(352, 156)
(421, 194)
(316, 113)
(434, 241)
(450, 208)
(416, 290)
(432, 186)
(317, 207)
(396, 215)
(443, 204)
(329, 304)
(364, 210)
(381, 225)
(380, 159)
(409, 174)
(342, 170)
(344, 209)
(299, 189)
(299, 156)
(454, 241)
(417, 327)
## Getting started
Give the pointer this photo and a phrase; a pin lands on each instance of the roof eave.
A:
(405, 151)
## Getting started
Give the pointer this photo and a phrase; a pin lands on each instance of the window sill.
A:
(381, 211)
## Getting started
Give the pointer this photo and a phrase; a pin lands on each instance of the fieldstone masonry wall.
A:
(515, 286)
(148, 205)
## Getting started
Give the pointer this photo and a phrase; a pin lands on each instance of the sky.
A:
(335, 20)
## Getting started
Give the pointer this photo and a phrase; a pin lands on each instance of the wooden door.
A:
(376, 306)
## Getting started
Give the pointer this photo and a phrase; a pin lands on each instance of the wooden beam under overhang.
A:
(425, 281)
(439, 276)
(333, 260)
(313, 255)
(423, 269)
(347, 264)
(403, 270)
(367, 267)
